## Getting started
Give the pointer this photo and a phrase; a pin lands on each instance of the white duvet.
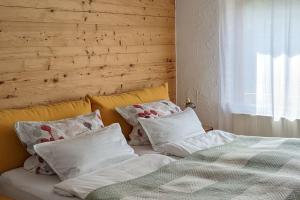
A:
(130, 169)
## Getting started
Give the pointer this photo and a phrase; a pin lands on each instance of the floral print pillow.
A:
(148, 110)
(31, 133)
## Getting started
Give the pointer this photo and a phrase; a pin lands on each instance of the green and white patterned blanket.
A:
(248, 168)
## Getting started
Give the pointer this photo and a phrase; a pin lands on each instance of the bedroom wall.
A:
(197, 43)
(54, 50)
(197, 56)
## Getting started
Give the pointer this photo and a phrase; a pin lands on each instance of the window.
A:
(260, 51)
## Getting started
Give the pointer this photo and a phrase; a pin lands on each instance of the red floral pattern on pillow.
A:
(41, 166)
(31, 133)
(147, 110)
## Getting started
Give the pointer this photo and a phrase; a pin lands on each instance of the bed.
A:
(247, 168)
(215, 165)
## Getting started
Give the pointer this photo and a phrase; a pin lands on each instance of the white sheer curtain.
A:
(260, 67)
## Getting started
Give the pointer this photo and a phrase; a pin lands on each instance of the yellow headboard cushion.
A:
(107, 104)
(154, 93)
(12, 152)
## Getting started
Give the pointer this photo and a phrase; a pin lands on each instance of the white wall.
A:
(197, 56)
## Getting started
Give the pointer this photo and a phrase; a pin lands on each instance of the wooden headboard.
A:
(55, 50)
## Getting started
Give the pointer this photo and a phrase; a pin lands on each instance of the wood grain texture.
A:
(56, 50)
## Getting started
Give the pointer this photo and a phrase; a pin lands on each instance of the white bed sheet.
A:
(23, 185)
(20, 184)
(145, 149)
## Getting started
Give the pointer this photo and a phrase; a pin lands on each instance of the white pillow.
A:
(72, 157)
(168, 131)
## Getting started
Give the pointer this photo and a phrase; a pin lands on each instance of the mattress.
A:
(23, 185)
(20, 184)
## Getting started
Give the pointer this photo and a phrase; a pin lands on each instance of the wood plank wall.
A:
(55, 50)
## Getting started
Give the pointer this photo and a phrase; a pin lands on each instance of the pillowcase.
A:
(73, 157)
(31, 133)
(148, 110)
(171, 130)
(107, 104)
